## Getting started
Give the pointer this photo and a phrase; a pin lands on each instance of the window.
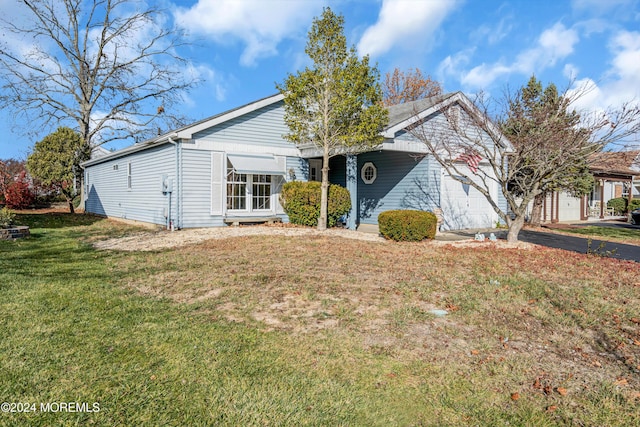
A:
(129, 175)
(368, 173)
(248, 192)
(261, 192)
(236, 189)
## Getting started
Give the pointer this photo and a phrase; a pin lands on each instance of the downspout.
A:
(178, 182)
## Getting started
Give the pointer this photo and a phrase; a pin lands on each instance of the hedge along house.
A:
(230, 168)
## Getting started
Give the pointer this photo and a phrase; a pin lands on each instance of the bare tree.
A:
(469, 144)
(400, 87)
(106, 67)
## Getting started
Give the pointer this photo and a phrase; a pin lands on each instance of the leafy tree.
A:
(553, 150)
(55, 159)
(336, 105)
(540, 119)
(400, 87)
(106, 67)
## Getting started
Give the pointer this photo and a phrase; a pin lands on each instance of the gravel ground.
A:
(153, 240)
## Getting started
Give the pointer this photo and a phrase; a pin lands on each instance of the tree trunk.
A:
(70, 203)
(514, 228)
(324, 193)
(536, 210)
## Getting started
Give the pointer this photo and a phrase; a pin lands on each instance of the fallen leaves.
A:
(620, 381)
(515, 396)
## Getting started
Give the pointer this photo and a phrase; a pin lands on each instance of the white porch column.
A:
(352, 186)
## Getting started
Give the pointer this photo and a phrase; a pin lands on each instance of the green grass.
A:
(126, 330)
(631, 235)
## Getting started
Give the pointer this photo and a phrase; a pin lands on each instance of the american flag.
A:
(471, 158)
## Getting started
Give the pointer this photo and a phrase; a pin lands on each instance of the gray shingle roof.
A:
(401, 112)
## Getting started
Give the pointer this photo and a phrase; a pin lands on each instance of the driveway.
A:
(577, 244)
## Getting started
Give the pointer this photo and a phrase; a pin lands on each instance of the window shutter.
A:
(217, 182)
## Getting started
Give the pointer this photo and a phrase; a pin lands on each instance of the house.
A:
(616, 174)
(230, 168)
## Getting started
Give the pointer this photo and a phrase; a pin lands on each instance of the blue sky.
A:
(241, 48)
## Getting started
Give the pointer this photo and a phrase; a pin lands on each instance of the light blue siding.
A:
(404, 181)
(297, 169)
(264, 126)
(109, 195)
(196, 190)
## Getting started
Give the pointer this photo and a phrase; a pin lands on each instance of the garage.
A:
(463, 206)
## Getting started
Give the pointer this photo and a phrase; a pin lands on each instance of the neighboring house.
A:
(616, 174)
(230, 168)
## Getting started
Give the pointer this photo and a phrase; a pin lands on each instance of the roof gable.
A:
(188, 131)
(404, 116)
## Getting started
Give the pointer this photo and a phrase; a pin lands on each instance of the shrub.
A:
(301, 202)
(635, 204)
(17, 194)
(6, 217)
(407, 225)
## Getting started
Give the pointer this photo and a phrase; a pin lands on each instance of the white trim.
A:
(459, 98)
(248, 211)
(189, 131)
(186, 133)
(219, 181)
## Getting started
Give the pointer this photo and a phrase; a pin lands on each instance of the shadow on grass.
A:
(55, 219)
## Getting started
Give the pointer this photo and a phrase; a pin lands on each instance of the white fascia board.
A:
(391, 132)
(189, 131)
(458, 97)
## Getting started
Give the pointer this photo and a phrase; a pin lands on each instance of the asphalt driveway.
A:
(578, 244)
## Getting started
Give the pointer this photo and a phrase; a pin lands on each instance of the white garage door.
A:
(465, 207)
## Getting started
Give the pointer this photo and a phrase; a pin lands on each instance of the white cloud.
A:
(598, 6)
(553, 44)
(621, 83)
(570, 71)
(260, 25)
(404, 23)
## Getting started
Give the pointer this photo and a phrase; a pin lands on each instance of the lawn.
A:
(276, 330)
(614, 234)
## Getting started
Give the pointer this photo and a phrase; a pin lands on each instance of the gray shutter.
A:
(217, 182)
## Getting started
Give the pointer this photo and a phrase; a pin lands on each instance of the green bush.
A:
(407, 225)
(301, 202)
(635, 204)
(6, 217)
(619, 205)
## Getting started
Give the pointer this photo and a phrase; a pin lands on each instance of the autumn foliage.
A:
(400, 87)
(15, 187)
